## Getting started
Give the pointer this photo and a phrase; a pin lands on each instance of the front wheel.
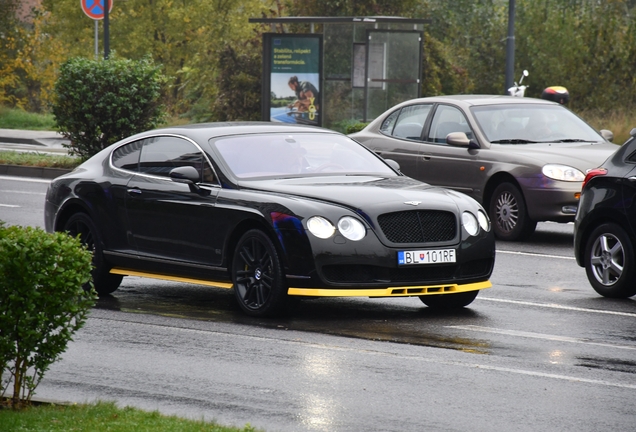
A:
(609, 262)
(509, 214)
(257, 275)
(449, 301)
(82, 225)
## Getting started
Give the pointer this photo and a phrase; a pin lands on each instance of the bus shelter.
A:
(352, 68)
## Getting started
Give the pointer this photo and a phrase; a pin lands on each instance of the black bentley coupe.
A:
(272, 211)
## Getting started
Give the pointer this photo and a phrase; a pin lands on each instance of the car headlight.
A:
(351, 228)
(483, 220)
(470, 223)
(320, 227)
(562, 172)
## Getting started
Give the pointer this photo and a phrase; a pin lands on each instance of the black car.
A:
(605, 224)
(273, 211)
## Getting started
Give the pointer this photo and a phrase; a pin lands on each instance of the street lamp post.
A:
(510, 47)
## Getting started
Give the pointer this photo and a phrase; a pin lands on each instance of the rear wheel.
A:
(257, 275)
(82, 225)
(609, 262)
(509, 214)
(449, 301)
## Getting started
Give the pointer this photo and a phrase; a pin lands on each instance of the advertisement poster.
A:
(294, 78)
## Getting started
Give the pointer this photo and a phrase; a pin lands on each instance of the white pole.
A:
(96, 39)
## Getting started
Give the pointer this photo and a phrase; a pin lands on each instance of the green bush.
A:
(42, 303)
(99, 102)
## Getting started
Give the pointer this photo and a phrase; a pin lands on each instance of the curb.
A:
(31, 171)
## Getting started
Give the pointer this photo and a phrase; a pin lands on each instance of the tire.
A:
(609, 262)
(103, 281)
(257, 275)
(449, 301)
(509, 213)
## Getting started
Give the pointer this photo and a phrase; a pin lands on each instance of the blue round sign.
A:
(95, 8)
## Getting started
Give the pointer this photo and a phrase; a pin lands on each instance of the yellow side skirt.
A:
(329, 292)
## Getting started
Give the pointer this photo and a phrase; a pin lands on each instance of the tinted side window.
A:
(448, 119)
(162, 154)
(411, 121)
(389, 122)
(127, 156)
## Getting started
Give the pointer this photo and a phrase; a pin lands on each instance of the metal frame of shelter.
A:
(369, 64)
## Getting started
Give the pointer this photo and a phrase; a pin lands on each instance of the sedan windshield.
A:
(532, 123)
(284, 155)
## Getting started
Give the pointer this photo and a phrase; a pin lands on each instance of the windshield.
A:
(522, 124)
(291, 155)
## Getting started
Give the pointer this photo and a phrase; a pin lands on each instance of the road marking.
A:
(538, 336)
(22, 192)
(535, 254)
(27, 179)
(415, 358)
(9, 205)
(558, 306)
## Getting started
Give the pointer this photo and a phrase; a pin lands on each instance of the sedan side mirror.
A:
(459, 139)
(607, 134)
(393, 164)
(185, 174)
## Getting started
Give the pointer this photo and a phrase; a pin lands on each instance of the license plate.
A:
(430, 256)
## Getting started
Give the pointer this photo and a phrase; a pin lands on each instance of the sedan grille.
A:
(418, 226)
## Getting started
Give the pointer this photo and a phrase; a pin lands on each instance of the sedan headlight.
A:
(562, 172)
(351, 228)
(484, 222)
(470, 223)
(320, 227)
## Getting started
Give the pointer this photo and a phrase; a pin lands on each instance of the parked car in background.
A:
(523, 159)
(273, 211)
(605, 225)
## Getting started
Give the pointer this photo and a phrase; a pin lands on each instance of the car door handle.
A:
(134, 191)
(426, 158)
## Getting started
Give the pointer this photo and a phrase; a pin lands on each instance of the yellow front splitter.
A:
(408, 291)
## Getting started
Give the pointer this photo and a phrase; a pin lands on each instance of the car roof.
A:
(205, 131)
(479, 100)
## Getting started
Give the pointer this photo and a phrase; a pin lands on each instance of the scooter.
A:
(519, 90)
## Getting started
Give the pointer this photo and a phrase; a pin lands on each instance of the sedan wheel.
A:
(509, 214)
(257, 275)
(609, 262)
(449, 301)
(82, 225)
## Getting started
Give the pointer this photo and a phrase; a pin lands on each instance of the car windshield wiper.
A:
(513, 141)
(567, 140)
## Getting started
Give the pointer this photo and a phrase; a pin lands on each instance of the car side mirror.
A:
(459, 139)
(393, 164)
(185, 174)
(607, 134)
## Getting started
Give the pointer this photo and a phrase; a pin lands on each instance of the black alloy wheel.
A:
(609, 262)
(449, 301)
(82, 225)
(257, 275)
(509, 214)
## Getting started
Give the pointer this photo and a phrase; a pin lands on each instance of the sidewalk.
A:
(32, 141)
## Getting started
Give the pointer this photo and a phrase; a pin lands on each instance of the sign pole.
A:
(106, 30)
(96, 39)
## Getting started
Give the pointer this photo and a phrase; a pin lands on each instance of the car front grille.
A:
(418, 226)
(417, 274)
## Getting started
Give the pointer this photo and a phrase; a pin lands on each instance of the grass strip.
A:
(9, 157)
(102, 416)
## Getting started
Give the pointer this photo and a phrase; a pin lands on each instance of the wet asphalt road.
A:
(538, 351)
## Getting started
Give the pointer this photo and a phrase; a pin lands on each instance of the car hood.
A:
(578, 155)
(365, 192)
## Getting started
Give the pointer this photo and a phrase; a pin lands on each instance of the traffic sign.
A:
(95, 8)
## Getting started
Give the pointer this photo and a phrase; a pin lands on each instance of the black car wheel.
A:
(257, 275)
(82, 225)
(449, 301)
(509, 214)
(609, 262)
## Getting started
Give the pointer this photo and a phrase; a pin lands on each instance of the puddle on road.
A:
(614, 365)
(406, 321)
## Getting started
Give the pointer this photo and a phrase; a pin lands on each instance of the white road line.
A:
(535, 254)
(25, 179)
(9, 205)
(21, 192)
(538, 336)
(558, 306)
